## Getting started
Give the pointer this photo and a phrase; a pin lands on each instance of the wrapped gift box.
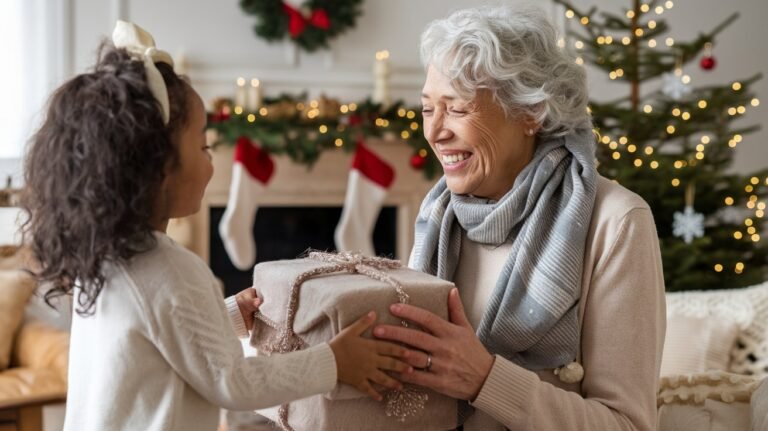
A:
(331, 292)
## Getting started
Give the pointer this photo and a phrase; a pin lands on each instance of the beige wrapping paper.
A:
(330, 302)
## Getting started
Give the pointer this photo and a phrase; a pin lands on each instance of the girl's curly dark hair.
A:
(93, 172)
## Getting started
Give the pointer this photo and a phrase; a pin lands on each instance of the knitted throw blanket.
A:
(532, 315)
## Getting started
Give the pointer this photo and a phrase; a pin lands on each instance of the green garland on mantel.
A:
(302, 129)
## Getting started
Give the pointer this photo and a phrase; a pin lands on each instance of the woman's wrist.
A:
(486, 367)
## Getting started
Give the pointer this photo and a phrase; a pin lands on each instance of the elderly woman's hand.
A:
(452, 360)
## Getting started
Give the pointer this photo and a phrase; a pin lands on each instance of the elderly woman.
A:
(558, 321)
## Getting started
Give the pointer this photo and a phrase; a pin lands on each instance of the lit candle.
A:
(380, 78)
(240, 94)
(254, 95)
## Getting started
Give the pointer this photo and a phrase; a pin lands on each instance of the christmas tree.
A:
(674, 145)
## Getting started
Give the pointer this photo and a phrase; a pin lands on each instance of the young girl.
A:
(122, 149)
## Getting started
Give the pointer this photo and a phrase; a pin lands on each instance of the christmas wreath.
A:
(311, 24)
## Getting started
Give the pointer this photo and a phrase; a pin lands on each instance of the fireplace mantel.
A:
(324, 184)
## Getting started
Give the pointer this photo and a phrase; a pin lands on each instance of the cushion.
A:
(759, 404)
(15, 289)
(697, 344)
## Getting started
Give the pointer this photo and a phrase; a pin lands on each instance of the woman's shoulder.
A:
(615, 205)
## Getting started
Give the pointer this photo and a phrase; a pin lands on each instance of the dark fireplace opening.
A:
(286, 233)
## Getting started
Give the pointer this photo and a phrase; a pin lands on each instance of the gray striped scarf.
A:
(532, 315)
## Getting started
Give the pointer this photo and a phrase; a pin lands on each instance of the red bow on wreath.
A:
(297, 23)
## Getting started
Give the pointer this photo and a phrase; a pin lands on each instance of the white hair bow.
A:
(140, 44)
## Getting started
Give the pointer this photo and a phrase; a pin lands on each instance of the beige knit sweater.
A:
(622, 316)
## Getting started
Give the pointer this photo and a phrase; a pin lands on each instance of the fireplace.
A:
(300, 208)
(286, 232)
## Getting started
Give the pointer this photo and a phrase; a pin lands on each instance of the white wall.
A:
(216, 39)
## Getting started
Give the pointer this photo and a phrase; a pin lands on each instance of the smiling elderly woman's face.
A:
(481, 150)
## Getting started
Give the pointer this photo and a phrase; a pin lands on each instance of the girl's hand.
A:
(458, 361)
(362, 361)
(248, 303)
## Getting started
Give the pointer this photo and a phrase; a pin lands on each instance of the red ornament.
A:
(418, 162)
(708, 63)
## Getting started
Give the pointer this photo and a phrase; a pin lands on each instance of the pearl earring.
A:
(530, 132)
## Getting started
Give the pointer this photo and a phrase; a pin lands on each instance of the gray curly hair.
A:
(513, 52)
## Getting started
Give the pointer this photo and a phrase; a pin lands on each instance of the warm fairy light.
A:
(619, 72)
(608, 40)
(414, 126)
(353, 107)
(338, 142)
(702, 104)
(748, 222)
(669, 4)
(700, 147)
(623, 140)
(736, 86)
(686, 79)
(238, 110)
(263, 112)
(678, 164)
(686, 116)
(753, 198)
(761, 206)
(739, 266)
(630, 14)
(631, 148)
(675, 182)
(405, 134)
(401, 112)
(749, 189)
(323, 128)
(670, 129)
(240, 81)
(649, 150)
(422, 153)
(626, 40)
(699, 156)
(578, 44)
(718, 268)
(755, 237)
(751, 230)
(644, 8)
(579, 61)
(652, 43)
(732, 143)
(737, 137)
(676, 112)
(639, 32)
(613, 145)
(616, 155)
(729, 201)
(754, 180)
(612, 75)
(605, 139)
(651, 24)
(670, 41)
(600, 40)
(731, 111)
(344, 109)
(410, 115)
(741, 109)
(561, 43)
(569, 14)
(255, 82)
(738, 235)
(251, 118)
(638, 163)
(754, 102)
(705, 139)
(584, 20)
(759, 213)
(654, 164)
(659, 10)
(382, 55)
(647, 109)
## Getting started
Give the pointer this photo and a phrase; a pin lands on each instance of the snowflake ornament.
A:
(673, 85)
(688, 224)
